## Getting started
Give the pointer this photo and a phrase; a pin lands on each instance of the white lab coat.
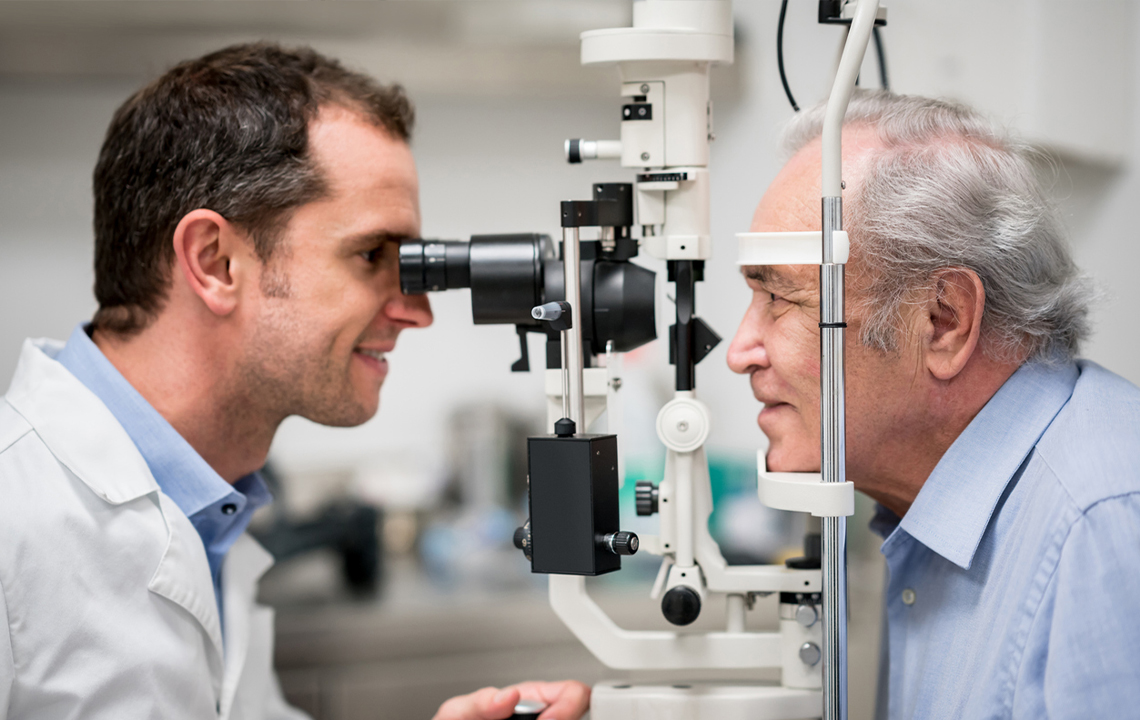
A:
(107, 610)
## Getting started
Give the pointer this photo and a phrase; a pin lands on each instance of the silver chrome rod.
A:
(832, 392)
(835, 618)
(571, 261)
(565, 342)
(854, 48)
(833, 453)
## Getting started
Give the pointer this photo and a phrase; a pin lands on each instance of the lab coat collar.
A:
(953, 509)
(82, 433)
(78, 429)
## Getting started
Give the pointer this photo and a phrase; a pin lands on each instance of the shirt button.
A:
(908, 597)
(229, 509)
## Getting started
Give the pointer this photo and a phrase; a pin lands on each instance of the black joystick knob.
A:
(621, 543)
(681, 605)
(522, 539)
(564, 428)
(645, 494)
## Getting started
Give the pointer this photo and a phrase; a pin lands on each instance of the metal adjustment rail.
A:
(832, 329)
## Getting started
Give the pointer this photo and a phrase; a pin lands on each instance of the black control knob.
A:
(564, 428)
(645, 493)
(522, 539)
(621, 543)
(681, 605)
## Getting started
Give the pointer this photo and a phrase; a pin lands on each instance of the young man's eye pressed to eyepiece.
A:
(377, 254)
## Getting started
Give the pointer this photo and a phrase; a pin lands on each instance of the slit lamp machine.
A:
(590, 300)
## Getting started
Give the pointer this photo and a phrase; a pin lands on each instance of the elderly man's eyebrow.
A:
(769, 277)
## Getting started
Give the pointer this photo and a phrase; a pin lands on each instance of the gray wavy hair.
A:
(952, 189)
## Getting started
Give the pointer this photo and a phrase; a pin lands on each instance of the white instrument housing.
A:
(664, 61)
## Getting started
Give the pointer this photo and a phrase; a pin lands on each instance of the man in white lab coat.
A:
(249, 207)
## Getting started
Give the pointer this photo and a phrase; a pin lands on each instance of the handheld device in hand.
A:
(528, 710)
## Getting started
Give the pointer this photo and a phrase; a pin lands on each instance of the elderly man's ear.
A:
(952, 321)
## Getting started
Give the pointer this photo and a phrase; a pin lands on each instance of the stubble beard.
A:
(284, 373)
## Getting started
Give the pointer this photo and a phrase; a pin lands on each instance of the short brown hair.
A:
(228, 132)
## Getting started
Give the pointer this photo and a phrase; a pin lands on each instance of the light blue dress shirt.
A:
(220, 512)
(1014, 578)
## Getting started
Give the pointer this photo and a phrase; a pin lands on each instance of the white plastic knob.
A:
(683, 424)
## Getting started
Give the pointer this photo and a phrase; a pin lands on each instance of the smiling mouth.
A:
(377, 355)
(375, 360)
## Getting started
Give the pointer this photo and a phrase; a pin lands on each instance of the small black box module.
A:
(573, 503)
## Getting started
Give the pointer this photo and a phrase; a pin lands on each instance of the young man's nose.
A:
(409, 310)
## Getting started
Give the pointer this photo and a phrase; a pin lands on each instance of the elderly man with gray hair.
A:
(1007, 472)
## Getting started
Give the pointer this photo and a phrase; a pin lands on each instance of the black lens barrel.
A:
(510, 274)
(504, 273)
(433, 265)
(506, 277)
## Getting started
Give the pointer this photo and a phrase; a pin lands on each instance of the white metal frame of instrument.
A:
(664, 60)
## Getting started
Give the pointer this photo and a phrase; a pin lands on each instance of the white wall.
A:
(493, 163)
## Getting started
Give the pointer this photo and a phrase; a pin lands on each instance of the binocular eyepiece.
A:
(504, 272)
(509, 275)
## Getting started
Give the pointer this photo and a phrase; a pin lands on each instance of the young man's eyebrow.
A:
(374, 239)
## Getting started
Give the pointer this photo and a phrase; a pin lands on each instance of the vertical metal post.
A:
(564, 338)
(572, 270)
(833, 457)
(833, 453)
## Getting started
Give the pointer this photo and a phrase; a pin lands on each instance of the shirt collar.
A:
(883, 522)
(955, 504)
(178, 469)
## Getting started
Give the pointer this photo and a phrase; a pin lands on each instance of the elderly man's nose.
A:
(747, 349)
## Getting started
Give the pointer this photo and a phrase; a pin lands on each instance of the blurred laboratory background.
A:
(396, 584)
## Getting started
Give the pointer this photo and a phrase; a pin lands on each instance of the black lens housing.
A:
(510, 274)
(434, 265)
(504, 273)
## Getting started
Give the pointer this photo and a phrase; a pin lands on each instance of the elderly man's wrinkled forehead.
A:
(784, 280)
(792, 204)
(792, 201)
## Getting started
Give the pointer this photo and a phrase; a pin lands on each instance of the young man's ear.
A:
(208, 250)
(953, 315)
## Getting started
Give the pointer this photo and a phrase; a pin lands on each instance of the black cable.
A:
(780, 54)
(883, 79)
(882, 60)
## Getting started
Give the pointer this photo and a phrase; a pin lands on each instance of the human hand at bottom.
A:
(566, 700)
